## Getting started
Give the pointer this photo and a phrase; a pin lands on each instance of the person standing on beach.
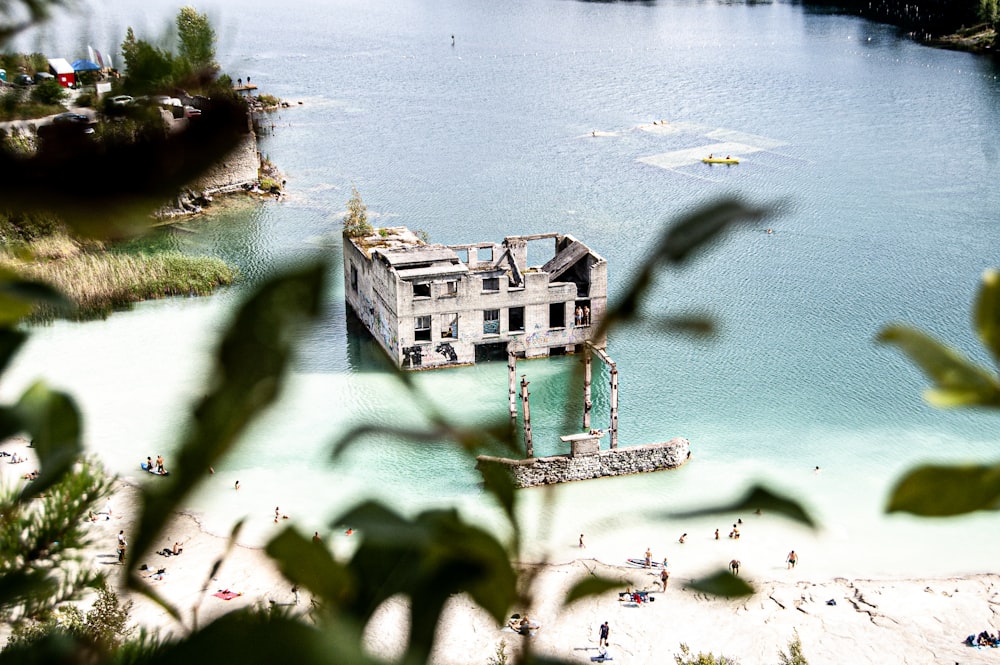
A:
(604, 632)
(649, 558)
(664, 577)
(734, 566)
(793, 559)
(122, 544)
(277, 513)
(582, 546)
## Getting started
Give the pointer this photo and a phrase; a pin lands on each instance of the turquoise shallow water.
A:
(880, 158)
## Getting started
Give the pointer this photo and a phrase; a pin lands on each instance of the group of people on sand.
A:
(523, 625)
(983, 639)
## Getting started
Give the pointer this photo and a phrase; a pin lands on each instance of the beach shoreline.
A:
(838, 618)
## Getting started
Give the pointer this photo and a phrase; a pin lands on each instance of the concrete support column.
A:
(512, 385)
(529, 449)
(587, 404)
(614, 406)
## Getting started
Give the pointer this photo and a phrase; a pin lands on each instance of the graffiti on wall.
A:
(447, 350)
(413, 356)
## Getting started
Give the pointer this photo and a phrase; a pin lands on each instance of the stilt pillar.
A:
(512, 385)
(614, 406)
(587, 403)
(529, 450)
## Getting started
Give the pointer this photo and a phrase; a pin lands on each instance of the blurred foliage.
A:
(101, 631)
(938, 490)
(759, 499)
(426, 558)
(22, 63)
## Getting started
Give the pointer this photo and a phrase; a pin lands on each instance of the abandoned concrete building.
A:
(431, 305)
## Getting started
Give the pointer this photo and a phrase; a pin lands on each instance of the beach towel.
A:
(226, 595)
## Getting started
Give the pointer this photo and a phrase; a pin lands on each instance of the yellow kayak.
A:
(720, 160)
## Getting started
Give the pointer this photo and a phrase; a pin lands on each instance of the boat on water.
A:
(720, 160)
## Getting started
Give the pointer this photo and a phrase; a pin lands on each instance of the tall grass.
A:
(102, 282)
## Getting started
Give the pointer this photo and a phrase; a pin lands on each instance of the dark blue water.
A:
(878, 157)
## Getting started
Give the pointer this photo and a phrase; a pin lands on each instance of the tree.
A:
(129, 48)
(356, 221)
(196, 39)
(149, 69)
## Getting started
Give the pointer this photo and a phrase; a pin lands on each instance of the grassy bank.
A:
(100, 282)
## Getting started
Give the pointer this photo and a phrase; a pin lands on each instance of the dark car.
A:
(71, 119)
(23, 79)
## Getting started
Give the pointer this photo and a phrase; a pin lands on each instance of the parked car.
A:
(23, 79)
(191, 111)
(122, 100)
(71, 119)
(43, 76)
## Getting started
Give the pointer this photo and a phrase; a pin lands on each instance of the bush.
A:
(48, 92)
(794, 656)
(685, 658)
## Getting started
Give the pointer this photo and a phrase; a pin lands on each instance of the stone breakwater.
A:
(535, 471)
(240, 167)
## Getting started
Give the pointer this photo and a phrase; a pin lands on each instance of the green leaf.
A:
(18, 297)
(428, 558)
(944, 491)
(722, 584)
(590, 586)
(53, 421)
(264, 639)
(253, 358)
(987, 313)
(758, 498)
(700, 228)
(311, 565)
(497, 438)
(10, 342)
(957, 382)
(679, 242)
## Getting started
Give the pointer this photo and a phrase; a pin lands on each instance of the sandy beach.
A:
(839, 619)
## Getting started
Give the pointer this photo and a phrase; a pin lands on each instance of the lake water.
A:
(879, 156)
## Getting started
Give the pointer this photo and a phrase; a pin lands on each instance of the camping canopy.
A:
(85, 66)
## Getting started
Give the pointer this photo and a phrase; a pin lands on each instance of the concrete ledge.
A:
(618, 462)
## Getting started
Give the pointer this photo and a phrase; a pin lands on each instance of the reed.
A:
(102, 282)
